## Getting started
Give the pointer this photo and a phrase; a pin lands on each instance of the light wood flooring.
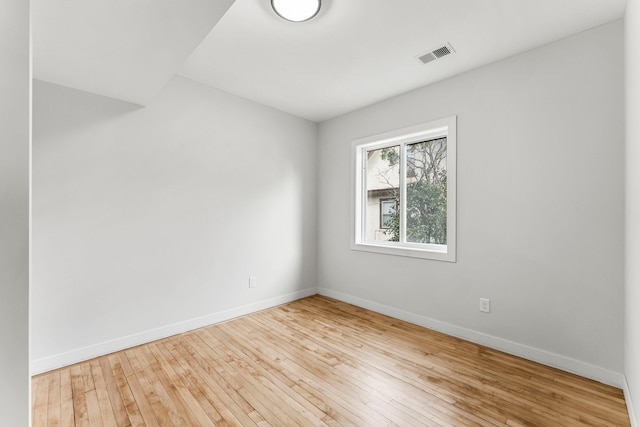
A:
(319, 362)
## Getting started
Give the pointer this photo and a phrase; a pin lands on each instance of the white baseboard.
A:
(629, 402)
(56, 361)
(564, 363)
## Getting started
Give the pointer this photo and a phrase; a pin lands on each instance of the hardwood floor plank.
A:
(137, 392)
(35, 404)
(131, 407)
(40, 402)
(66, 398)
(107, 413)
(87, 376)
(110, 387)
(319, 362)
(93, 408)
(54, 403)
(164, 408)
(81, 416)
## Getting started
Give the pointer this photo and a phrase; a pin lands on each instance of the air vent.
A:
(436, 54)
(444, 50)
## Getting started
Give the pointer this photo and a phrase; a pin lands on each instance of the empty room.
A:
(320, 212)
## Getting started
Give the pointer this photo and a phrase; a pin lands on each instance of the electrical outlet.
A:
(252, 282)
(485, 305)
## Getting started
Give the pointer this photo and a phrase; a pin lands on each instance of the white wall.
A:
(147, 218)
(540, 207)
(14, 213)
(632, 279)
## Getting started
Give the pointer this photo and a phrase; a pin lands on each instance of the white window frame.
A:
(418, 133)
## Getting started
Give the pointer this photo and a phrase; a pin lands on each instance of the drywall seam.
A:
(56, 361)
(568, 364)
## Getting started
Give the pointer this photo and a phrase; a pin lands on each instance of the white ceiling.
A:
(356, 52)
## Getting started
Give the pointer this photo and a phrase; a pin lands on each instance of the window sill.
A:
(435, 252)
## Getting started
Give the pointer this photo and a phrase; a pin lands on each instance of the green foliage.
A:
(427, 212)
(394, 224)
(426, 193)
(391, 155)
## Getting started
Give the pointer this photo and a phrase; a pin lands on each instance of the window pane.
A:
(383, 180)
(387, 212)
(426, 182)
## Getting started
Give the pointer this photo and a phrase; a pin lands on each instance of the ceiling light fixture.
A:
(296, 10)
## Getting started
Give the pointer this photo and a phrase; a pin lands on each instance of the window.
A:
(387, 212)
(404, 191)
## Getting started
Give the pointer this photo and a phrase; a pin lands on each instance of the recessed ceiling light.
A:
(296, 10)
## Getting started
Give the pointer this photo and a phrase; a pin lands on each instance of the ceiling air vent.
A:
(436, 53)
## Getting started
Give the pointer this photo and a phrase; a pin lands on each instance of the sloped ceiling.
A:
(124, 49)
(356, 52)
